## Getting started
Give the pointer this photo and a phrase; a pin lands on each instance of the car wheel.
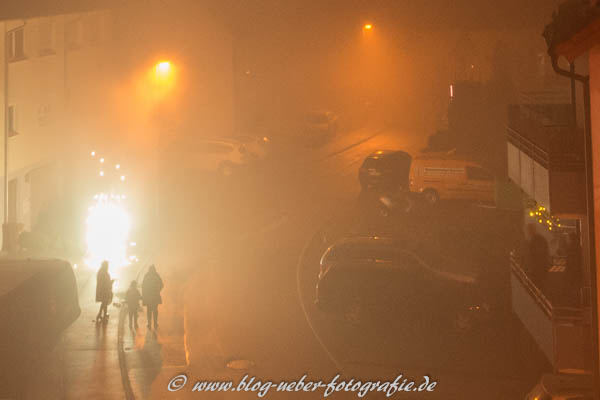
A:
(431, 196)
(226, 169)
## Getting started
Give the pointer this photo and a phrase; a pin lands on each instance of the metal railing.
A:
(558, 314)
(533, 131)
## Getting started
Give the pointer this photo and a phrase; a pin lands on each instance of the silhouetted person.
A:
(538, 256)
(132, 298)
(151, 287)
(104, 293)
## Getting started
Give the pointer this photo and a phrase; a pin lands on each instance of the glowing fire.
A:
(107, 232)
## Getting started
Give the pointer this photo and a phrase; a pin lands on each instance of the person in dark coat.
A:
(132, 298)
(538, 257)
(104, 293)
(151, 287)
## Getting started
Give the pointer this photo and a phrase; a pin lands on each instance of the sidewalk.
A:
(90, 360)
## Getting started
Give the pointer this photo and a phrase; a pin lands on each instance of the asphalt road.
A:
(251, 263)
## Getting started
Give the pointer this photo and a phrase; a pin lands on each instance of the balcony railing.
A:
(545, 155)
(546, 133)
(560, 328)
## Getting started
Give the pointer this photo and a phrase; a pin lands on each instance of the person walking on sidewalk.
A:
(104, 293)
(132, 298)
(151, 287)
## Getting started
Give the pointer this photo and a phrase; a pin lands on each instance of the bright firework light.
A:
(107, 233)
(107, 228)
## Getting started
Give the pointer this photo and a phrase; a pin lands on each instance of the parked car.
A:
(220, 155)
(562, 387)
(257, 147)
(385, 170)
(447, 176)
(38, 301)
(319, 126)
(374, 273)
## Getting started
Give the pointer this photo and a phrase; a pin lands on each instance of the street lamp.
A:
(163, 71)
(367, 29)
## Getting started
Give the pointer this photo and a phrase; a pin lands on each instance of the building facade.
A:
(75, 83)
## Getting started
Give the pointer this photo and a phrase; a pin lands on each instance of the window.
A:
(46, 37)
(478, 174)
(12, 121)
(16, 44)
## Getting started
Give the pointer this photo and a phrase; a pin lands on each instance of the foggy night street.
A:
(300, 199)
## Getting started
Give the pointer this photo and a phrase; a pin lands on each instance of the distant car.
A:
(220, 155)
(381, 273)
(385, 170)
(257, 147)
(319, 126)
(562, 387)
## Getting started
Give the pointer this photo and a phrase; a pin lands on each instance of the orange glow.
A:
(164, 75)
(158, 84)
(368, 27)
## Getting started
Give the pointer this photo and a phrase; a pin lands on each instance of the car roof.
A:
(366, 240)
(446, 157)
(385, 153)
(220, 140)
(244, 138)
(397, 244)
(14, 271)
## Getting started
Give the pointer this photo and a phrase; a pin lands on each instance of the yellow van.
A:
(447, 176)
